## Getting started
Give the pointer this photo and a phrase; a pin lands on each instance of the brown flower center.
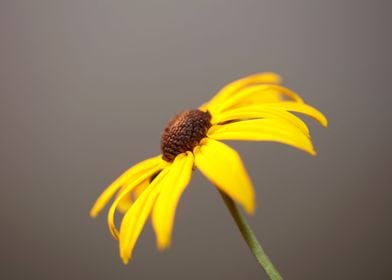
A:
(184, 132)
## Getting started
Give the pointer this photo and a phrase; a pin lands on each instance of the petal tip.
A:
(126, 256)
(322, 119)
(325, 122)
(125, 260)
(163, 245)
(251, 209)
(272, 77)
(93, 214)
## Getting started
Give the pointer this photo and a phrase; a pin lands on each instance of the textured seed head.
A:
(184, 132)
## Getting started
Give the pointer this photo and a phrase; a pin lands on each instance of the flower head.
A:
(254, 108)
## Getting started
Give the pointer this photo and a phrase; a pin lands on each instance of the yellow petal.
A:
(259, 111)
(172, 187)
(301, 108)
(135, 218)
(131, 174)
(129, 188)
(204, 107)
(223, 166)
(256, 95)
(234, 87)
(130, 197)
(125, 203)
(140, 189)
(270, 95)
(276, 130)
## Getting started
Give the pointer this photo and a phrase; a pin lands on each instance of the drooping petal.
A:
(223, 166)
(135, 218)
(172, 186)
(256, 95)
(140, 189)
(130, 174)
(127, 190)
(301, 108)
(259, 111)
(129, 199)
(276, 130)
(234, 87)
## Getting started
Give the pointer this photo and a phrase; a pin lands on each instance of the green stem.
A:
(251, 239)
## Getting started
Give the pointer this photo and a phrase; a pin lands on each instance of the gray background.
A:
(86, 88)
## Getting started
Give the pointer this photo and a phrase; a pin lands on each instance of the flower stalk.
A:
(251, 239)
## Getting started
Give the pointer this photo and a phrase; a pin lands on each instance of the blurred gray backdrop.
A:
(86, 88)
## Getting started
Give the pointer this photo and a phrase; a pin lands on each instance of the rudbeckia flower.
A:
(254, 108)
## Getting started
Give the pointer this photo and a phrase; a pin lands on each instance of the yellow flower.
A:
(254, 108)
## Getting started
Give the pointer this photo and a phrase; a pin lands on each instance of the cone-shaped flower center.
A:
(184, 132)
